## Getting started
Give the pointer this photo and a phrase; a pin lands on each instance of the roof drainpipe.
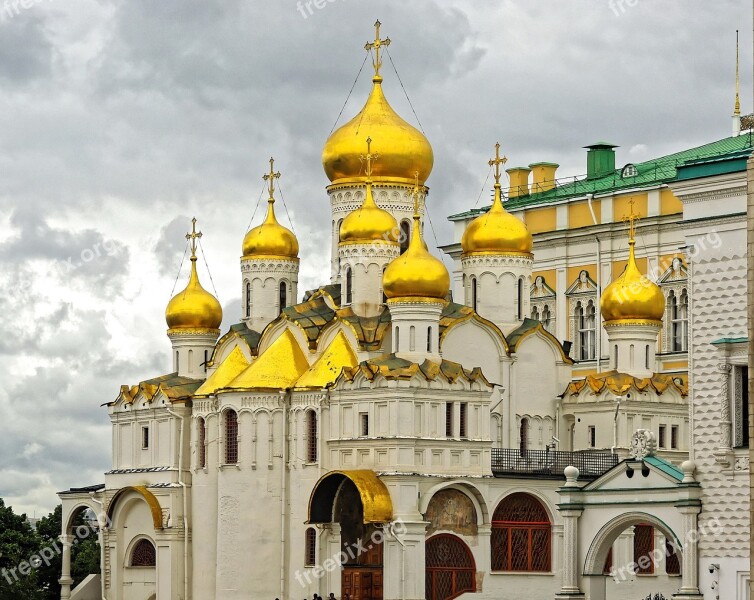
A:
(283, 489)
(102, 522)
(183, 485)
(597, 310)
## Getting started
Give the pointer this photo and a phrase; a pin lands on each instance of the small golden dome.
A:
(416, 273)
(194, 307)
(632, 296)
(496, 231)
(270, 238)
(369, 222)
(403, 148)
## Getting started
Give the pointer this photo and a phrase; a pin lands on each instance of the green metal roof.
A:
(649, 173)
(731, 340)
(665, 467)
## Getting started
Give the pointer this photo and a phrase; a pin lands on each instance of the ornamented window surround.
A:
(674, 279)
(582, 290)
(542, 295)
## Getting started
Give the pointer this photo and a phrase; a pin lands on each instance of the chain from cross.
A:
(376, 45)
(271, 177)
(193, 237)
(497, 162)
(369, 157)
(416, 194)
(631, 220)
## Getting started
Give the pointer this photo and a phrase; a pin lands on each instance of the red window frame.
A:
(143, 554)
(310, 547)
(644, 545)
(521, 536)
(311, 437)
(201, 442)
(231, 437)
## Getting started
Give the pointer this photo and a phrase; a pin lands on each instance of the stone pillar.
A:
(404, 560)
(690, 567)
(570, 512)
(725, 413)
(65, 575)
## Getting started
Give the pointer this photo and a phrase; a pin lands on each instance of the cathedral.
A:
(539, 420)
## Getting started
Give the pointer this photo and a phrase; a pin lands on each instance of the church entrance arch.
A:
(359, 504)
(450, 569)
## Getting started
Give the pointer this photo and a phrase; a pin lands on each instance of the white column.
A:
(690, 567)
(570, 580)
(65, 575)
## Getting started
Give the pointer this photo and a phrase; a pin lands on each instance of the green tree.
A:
(18, 543)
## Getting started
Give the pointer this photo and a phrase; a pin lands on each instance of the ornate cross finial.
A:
(377, 44)
(497, 162)
(193, 236)
(271, 177)
(368, 158)
(416, 194)
(631, 219)
(737, 106)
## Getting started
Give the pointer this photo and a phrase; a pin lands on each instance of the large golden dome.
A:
(632, 296)
(403, 149)
(416, 273)
(194, 307)
(369, 223)
(496, 232)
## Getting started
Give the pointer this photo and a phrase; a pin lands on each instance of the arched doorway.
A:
(360, 504)
(450, 569)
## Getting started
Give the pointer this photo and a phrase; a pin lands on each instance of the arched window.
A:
(429, 339)
(644, 545)
(546, 317)
(206, 360)
(679, 320)
(473, 293)
(143, 554)
(177, 361)
(310, 547)
(231, 437)
(520, 299)
(535, 313)
(349, 286)
(523, 436)
(191, 361)
(615, 356)
(201, 443)
(311, 436)
(248, 299)
(646, 357)
(283, 295)
(405, 235)
(586, 321)
(397, 344)
(521, 535)
(450, 568)
(412, 338)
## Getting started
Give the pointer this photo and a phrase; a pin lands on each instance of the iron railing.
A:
(550, 463)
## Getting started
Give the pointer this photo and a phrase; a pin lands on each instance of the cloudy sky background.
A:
(119, 121)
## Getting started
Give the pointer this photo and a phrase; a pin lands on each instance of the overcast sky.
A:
(119, 121)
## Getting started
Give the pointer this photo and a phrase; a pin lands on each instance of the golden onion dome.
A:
(416, 273)
(194, 307)
(369, 223)
(403, 148)
(270, 238)
(496, 232)
(632, 296)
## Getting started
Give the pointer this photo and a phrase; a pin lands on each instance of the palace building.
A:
(562, 414)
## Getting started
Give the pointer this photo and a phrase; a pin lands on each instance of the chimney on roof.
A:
(600, 159)
(519, 177)
(544, 176)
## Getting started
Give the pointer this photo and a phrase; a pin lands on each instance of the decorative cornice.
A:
(632, 323)
(193, 332)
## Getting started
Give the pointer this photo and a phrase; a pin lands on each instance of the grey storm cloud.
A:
(119, 121)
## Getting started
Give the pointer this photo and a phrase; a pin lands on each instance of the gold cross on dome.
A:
(498, 161)
(631, 219)
(377, 44)
(416, 194)
(193, 236)
(271, 177)
(369, 157)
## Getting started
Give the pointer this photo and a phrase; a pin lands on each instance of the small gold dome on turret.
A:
(416, 273)
(632, 296)
(194, 307)
(270, 238)
(369, 222)
(405, 149)
(497, 231)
